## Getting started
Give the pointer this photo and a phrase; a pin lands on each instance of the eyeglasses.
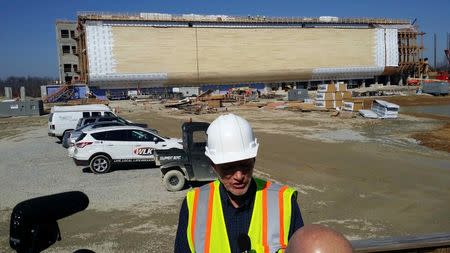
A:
(244, 166)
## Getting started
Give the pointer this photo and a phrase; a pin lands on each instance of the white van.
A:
(65, 118)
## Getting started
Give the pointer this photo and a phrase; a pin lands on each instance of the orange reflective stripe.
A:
(281, 207)
(194, 213)
(209, 219)
(264, 217)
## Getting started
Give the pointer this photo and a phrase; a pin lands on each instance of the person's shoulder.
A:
(205, 187)
(275, 186)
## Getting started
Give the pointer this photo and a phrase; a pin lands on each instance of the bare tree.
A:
(32, 85)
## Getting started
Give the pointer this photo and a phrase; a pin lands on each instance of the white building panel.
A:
(392, 47)
(380, 48)
(99, 48)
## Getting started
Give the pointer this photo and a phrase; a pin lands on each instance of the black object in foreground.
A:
(34, 226)
(244, 243)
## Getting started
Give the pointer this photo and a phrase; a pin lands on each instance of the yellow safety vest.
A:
(269, 225)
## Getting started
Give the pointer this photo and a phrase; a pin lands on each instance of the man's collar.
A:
(247, 198)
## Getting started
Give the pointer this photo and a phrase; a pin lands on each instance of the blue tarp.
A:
(79, 91)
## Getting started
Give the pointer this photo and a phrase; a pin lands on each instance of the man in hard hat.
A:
(317, 238)
(237, 212)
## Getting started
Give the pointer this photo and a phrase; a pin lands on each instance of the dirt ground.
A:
(365, 178)
(439, 138)
(362, 177)
(14, 126)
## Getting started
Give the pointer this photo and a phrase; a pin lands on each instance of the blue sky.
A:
(28, 40)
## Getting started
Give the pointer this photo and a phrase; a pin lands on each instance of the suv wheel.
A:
(174, 180)
(100, 164)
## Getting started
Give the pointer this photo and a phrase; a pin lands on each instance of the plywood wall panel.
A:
(148, 49)
(239, 54)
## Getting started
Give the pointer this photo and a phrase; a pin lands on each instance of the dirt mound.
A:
(437, 139)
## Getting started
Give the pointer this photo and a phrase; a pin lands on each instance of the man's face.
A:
(236, 176)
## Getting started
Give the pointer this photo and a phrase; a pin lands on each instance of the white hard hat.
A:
(230, 139)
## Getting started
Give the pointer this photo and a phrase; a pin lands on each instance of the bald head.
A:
(318, 239)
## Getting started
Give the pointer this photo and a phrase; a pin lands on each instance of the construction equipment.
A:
(188, 164)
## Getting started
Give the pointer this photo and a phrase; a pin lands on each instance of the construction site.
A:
(122, 56)
(346, 110)
(205, 63)
(147, 50)
(150, 50)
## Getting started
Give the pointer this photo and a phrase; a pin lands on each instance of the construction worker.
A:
(237, 212)
(317, 238)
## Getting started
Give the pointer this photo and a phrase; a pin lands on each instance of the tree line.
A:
(32, 85)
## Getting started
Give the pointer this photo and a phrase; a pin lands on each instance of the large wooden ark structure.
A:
(155, 50)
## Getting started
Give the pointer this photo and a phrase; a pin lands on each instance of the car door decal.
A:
(143, 151)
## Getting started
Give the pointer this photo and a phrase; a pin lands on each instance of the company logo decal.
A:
(143, 151)
(173, 157)
(133, 160)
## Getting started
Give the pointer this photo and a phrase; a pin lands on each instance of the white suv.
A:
(99, 148)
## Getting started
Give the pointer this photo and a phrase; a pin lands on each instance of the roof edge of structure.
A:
(143, 16)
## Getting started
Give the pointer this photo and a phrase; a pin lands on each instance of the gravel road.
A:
(130, 205)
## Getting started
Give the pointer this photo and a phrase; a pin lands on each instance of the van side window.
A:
(86, 114)
(109, 114)
(96, 114)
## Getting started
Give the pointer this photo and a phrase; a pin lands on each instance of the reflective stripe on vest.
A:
(269, 225)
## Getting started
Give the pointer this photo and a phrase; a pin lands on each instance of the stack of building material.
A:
(346, 94)
(342, 94)
(348, 102)
(368, 114)
(330, 95)
(385, 110)
(325, 97)
(381, 110)
(353, 104)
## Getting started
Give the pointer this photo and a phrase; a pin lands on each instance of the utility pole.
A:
(448, 40)
(448, 48)
(435, 44)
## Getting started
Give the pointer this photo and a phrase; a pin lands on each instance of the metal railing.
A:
(439, 242)
(93, 15)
